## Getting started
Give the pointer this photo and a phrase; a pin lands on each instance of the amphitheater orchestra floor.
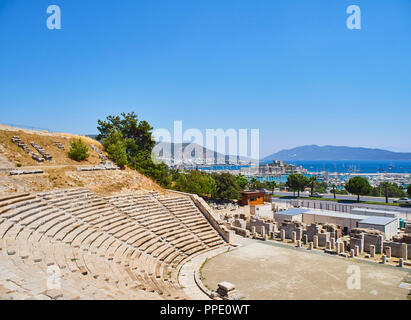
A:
(186, 276)
(261, 270)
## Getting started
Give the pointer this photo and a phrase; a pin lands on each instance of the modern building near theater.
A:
(252, 198)
(347, 221)
(294, 214)
(388, 225)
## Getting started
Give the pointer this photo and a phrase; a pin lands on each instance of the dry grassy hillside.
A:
(14, 155)
(61, 171)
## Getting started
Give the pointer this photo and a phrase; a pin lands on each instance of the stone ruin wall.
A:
(261, 226)
(364, 238)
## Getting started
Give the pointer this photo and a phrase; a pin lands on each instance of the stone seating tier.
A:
(102, 248)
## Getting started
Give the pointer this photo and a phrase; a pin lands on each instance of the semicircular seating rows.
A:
(73, 244)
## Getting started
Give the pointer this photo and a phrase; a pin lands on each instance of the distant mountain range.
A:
(315, 152)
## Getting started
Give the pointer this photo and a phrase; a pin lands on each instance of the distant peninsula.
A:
(314, 152)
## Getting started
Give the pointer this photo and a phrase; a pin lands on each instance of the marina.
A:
(331, 172)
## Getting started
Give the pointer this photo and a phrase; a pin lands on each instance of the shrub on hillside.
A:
(78, 150)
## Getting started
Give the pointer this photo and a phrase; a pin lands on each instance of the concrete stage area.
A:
(261, 270)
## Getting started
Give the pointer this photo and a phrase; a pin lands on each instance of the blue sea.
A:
(358, 166)
(341, 166)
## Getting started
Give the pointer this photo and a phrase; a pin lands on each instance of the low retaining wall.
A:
(199, 283)
(241, 231)
(206, 211)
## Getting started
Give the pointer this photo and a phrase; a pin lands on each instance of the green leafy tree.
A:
(358, 186)
(292, 182)
(312, 182)
(297, 182)
(116, 147)
(387, 190)
(138, 134)
(174, 173)
(409, 190)
(255, 184)
(333, 190)
(226, 187)
(304, 182)
(196, 182)
(78, 150)
(242, 181)
(143, 163)
(271, 185)
(139, 144)
(320, 186)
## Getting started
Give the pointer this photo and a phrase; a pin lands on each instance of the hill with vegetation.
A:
(61, 171)
(122, 139)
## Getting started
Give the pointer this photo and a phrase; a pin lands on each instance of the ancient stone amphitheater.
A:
(125, 246)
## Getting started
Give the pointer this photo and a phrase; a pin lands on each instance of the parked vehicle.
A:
(403, 200)
(317, 195)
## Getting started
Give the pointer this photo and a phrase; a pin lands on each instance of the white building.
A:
(389, 225)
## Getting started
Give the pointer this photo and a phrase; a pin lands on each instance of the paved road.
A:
(338, 196)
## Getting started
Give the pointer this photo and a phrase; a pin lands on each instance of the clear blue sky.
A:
(290, 68)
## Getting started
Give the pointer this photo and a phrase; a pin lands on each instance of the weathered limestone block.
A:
(332, 243)
(323, 238)
(328, 245)
(379, 249)
(239, 223)
(346, 244)
(361, 247)
(372, 251)
(299, 233)
(294, 236)
(340, 247)
(226, 289)
(242, 232)
(263, 231)
(404, 250)
(315, 244)
(388, 252)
